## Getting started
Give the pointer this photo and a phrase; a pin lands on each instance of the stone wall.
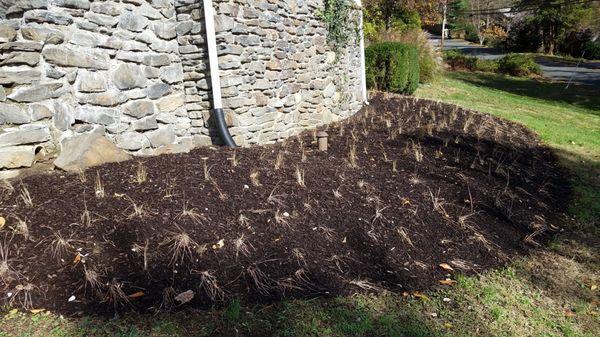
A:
(136, 73)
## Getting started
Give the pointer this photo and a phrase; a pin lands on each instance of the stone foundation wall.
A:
(136, 73)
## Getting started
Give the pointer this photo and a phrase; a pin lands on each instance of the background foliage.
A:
(393, 67)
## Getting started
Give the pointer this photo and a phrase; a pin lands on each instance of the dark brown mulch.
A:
(432, 184)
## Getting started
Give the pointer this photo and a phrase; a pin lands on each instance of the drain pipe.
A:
(215, 79)
(363, 72)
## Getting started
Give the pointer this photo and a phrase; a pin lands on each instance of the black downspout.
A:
(222, 128)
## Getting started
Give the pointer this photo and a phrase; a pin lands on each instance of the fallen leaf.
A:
(344, 241)
(447, 282)
(137, 294)
(77, 259)
(593, 287)
(37, 311)
(446, 267)
(71, 299)
(448, 325)
(13, 311)
(2, 222)
(185, 297)
(119, 195)
(421, 296)
(569, 313)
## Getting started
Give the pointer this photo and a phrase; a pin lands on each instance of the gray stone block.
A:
(131, 141)
(96, 115)
(139, 109)
(17, 58)
(76, 4)
(36, 93)
(128, 76)
(132, 21)
(172, 74)
(165, 135)
(45, 16)
(86, 150)
(13, 114)
(144, 124)
(7, 33)
(39, 112)
(16, 157)
(158, 90)
(70, 58)
(26, 134)
(43, 34)
(62, 116)
(91, 81)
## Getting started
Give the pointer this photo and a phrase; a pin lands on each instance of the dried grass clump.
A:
(59, 245)
(242, 246)
(352, 157)
(299, 256)
(210, 286)
(25, 196)
(254, 177)
(262, 282)
(222, 195)
(115, 295)
(233, 159)
(6, 189)
(180, 244)
(98, 188)
(279, 160)
(23, 295)
(299, 173)
(92, 281)
(141, 175)
(137, 210)
(21, 228)
(7, 274)
(192, 214)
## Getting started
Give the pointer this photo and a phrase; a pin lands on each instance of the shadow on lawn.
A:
(578, 95)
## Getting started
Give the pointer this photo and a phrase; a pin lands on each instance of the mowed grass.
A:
(551, 292)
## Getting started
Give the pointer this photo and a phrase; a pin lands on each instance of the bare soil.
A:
(406, 185)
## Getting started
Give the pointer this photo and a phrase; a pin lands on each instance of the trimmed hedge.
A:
(511, 64)
(519, 65)
(459, 61)
(393, 67)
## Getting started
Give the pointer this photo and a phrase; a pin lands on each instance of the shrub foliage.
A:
(519, 65)
(392, 66)
(511, 64)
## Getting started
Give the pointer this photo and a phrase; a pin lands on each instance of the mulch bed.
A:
(406, 185)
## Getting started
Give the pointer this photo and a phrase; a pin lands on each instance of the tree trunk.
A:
(551, 38)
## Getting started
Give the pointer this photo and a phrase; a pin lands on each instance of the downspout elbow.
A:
(222, 128)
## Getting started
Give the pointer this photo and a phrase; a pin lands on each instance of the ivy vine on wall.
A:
(342, 20)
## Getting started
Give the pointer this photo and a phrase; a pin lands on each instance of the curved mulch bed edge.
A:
(407, 184)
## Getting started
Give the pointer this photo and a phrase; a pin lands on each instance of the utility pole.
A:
(445, 4)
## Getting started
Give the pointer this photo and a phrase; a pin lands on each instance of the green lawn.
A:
(552, 292)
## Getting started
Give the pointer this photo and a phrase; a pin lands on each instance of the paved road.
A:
(587, 73)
